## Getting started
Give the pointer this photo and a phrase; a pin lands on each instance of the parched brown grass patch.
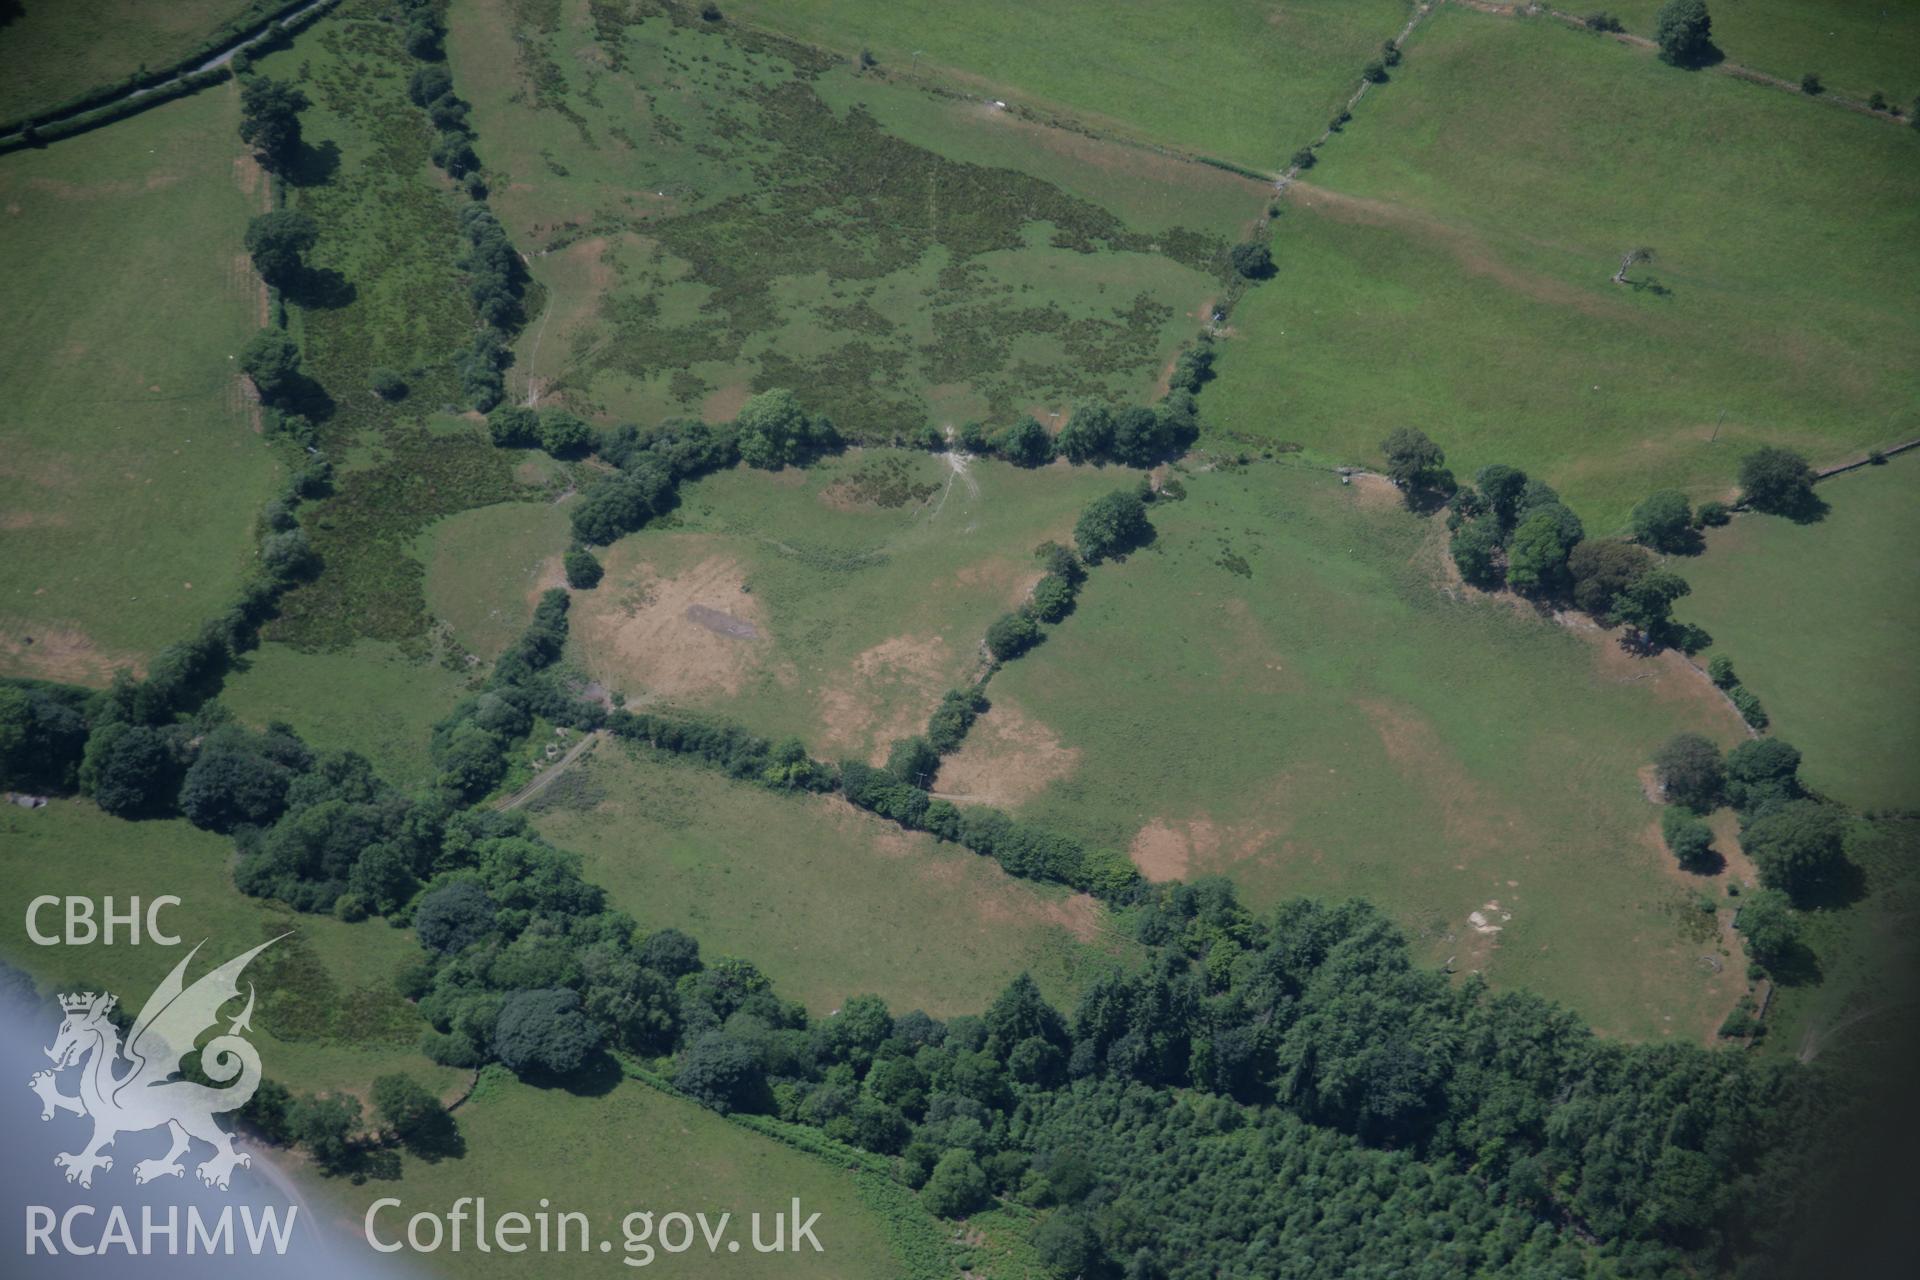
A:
(642, 632)
(1009, 578)
(1375, 491)
(1007, 759)
(724, 405)
(1166, 853)
(61, 653)
(888, 693)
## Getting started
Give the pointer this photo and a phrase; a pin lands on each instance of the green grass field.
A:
(1282, 690)
(1819, 621)
(369, 698)
(1857, 46)
(863, 614)
(827, 901)
(713, 212)
(50, 52)
(1242, 80)
(132, 474)
(633, 1149)
(1447, 265)
(487, 567)
(328, 1015)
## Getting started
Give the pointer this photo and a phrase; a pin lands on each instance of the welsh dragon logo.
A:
(133, 1087)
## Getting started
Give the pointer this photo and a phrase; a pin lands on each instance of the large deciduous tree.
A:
(1684, 32)
(270, 121)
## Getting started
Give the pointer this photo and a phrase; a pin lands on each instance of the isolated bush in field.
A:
(1689, 839)
(1776, 480)
(1811, 85)
(1111, 526)
(1664, 521)
(1304, 159)
(1690, 771)
(1390, 53)
(1601, 569)
(1475, 549)
(1252, 260)
(1748, 705)
(1712, 515)
(562, 434)
(1012, 635)
(388, 384)
(583, 571)
(1720, 671)
(277, 242)
(270, 121)
(1026, 444)
(1797, 846)
(1375, 72)
(1604, 22)
(1684, 31)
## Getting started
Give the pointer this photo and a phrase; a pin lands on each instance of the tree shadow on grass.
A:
(1796, 966)
(320, 288)
(315, 165)
(1841, 887)
(598, 1076)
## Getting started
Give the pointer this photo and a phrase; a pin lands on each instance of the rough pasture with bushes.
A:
(716, 212)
